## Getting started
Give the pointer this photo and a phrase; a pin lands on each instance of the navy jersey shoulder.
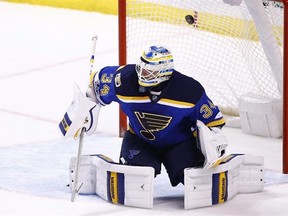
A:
(117, 80)
(183, 88)
(126, 81)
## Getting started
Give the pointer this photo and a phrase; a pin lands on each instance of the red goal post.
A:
(285, 90)
(130, 36)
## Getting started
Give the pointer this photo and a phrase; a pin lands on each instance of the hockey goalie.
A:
(172, 122)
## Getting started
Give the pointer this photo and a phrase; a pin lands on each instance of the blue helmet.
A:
(156, 65)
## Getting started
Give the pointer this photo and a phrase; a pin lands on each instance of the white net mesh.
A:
(220, 49)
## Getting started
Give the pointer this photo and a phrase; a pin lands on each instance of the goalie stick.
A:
(76, 189)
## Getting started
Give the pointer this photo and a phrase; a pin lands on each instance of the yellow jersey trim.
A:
(216, 123)
(163, 101)
(175, 103)
(134, 99)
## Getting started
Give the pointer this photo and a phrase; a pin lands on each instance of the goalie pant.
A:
(133, 185)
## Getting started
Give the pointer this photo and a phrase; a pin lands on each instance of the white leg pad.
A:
(87, 174)
(237, 173)
(116, 183)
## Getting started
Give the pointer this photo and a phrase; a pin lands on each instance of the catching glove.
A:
(212, 143)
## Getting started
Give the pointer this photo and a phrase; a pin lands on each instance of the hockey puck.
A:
(189, 19)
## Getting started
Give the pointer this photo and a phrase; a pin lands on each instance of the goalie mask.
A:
(156, 66)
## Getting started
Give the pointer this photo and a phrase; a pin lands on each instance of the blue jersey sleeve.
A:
(209, 113)
(106, 85)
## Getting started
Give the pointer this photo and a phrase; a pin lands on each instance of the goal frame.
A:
(123, 60)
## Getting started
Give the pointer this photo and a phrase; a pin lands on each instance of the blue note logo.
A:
(152, 123)
(132, 153)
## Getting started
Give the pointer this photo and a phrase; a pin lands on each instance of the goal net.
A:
(231, 50)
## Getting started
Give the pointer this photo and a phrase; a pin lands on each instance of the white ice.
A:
(43, 52)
